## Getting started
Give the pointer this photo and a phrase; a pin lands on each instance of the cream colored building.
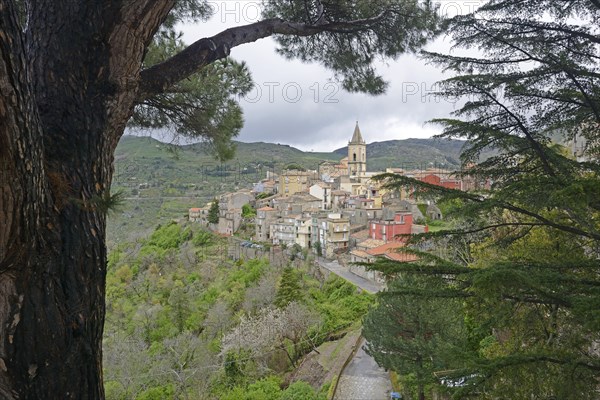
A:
(322, 191)
(293, 181)
(336, 234)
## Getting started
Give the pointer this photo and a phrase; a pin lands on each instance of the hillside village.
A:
(337, 210)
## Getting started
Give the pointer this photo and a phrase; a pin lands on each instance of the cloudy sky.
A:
(298, 104)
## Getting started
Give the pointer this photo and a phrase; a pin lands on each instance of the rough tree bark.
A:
(68, 85)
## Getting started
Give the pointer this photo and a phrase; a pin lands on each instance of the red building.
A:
(388, 230)
(448, 183)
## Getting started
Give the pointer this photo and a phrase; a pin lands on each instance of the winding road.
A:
(362, 379)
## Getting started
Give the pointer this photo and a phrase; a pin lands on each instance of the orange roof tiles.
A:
(370, 243)
(405, 257)
(381, 250)
(360, 253)
(388, 250)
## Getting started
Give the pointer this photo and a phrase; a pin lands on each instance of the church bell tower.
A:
(357, 154)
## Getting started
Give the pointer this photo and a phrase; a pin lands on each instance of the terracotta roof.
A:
(371, 243)
(401, 257)
(302, 196)
(295, 172)
(266, 208)
(360, 253)
(195, 209)
(311, 210)
(386, 248)
(362, 234)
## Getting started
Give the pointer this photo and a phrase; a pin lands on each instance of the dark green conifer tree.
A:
(213, 212)
(530, 285)
(415, 335)
(289, 289)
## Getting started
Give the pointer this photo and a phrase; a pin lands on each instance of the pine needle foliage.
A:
(524, 257)
(289, 289)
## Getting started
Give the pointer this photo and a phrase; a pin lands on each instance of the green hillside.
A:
(411, 153)
(177, 311)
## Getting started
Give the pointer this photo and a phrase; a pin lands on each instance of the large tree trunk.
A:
(68, 85)
(65, 97)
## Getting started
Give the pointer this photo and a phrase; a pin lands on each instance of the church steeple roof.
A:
(357, 137)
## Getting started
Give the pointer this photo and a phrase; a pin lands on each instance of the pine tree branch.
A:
(402, 180)
(534, 358)
(545, 26)
(534, 143)
(590, 102)
(485, 228)
(160, 77)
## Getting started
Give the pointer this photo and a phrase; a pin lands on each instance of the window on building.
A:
(354, 157)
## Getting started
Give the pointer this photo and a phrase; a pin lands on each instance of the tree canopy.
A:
(526, 266)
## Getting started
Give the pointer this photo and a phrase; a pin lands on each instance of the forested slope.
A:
(186, 321)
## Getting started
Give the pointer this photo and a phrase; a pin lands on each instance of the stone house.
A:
(359, 217)
(297, 203)
(199, 214)
(338, 197)
(283, 230)
(303, 231)
(434, 212)
(262, 228)
(230, 210)
(333, 234)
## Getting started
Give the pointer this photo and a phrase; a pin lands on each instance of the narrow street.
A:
(363, 283)
(362, 379)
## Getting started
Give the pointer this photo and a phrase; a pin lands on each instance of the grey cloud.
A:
(298, 104)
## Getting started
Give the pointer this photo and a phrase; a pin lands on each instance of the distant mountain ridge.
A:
(409, 153)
